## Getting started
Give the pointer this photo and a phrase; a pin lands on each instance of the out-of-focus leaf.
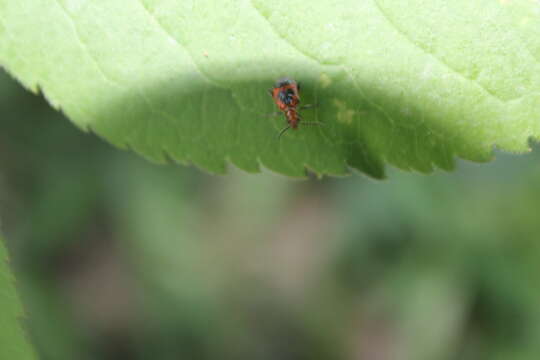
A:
(13, 341)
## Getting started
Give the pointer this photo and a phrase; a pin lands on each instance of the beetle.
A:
(286, 96)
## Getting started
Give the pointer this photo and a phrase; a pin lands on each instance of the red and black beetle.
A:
(285, 94)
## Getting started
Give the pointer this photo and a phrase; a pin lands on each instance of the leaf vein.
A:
(439, 60)
(84, 47)
(179, 44)
(290, 43)
(109, 78)
(199, 69)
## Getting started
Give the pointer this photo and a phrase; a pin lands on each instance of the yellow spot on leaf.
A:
(344, 115)
(325, 81)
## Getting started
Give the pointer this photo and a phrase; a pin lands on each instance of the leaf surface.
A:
(414, 84)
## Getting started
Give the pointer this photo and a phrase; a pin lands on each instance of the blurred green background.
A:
(119, 258)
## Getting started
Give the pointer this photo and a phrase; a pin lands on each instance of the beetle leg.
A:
(283, 131)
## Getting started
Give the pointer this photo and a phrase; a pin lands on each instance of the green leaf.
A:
(13, 342)
(412, 83)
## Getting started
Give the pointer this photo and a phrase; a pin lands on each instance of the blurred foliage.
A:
(13, 343)
(117, 258)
